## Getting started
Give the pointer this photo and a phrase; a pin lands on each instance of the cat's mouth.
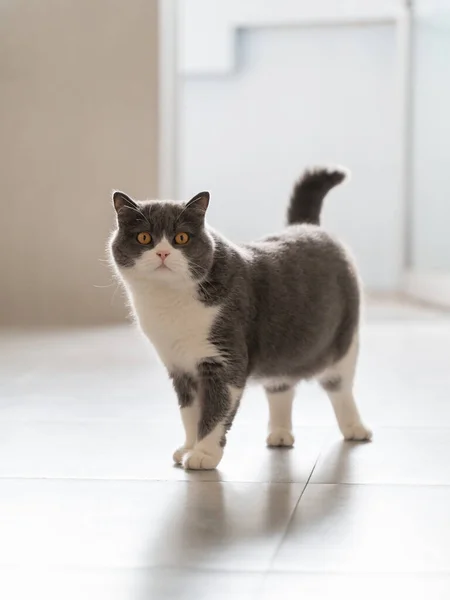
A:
(163, 267)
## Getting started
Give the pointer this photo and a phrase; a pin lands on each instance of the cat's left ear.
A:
(199, 201)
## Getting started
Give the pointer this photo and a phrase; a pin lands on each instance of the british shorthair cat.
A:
(279, 310)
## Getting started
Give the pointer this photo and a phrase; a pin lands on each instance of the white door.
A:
(293, 96)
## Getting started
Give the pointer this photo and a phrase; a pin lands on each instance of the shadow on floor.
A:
(215, 522)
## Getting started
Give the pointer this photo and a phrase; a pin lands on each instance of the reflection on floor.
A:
(92, 508)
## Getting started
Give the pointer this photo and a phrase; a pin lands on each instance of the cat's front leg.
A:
(186, 389)
(218, 403)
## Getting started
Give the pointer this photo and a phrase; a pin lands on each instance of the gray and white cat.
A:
(279, 310)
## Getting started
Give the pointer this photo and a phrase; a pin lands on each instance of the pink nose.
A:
(163, 254)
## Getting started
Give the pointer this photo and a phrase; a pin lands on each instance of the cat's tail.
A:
(310, 190)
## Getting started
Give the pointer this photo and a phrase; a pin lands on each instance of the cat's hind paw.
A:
(280, 437)
(358, 433)
(199, 460)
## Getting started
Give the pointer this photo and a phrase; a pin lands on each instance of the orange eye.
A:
(181, 238)
(144, 238)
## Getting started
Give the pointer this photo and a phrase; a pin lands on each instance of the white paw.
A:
(179, 454)
(357, 432)
(200, 460)
(280, 437)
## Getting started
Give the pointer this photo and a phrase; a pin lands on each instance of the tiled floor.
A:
(91, 507)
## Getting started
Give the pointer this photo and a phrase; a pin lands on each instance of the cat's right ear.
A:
(121, 202)
(199, 202)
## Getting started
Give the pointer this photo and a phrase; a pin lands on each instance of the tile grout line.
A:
(286, 529)
(144, 480)
(295, 507)
(373, 484)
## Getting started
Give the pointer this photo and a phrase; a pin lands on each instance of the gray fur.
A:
(289, 302)
(332, 384)
(309, 191)
(185, 387)
(159, 219)
(215, 401)
(278, 388)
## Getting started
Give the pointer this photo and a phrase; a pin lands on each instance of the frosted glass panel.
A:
(431, 134)
(300, 96)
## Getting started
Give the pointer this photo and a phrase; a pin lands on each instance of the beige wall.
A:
(78, 118)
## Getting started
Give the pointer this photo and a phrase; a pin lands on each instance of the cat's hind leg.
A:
(337, 381)
(280, 397)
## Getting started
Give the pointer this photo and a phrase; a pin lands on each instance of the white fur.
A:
(280, 422)
(280, 437)
(342, 400)
(190, 415)
(168, 310)
(207, 453)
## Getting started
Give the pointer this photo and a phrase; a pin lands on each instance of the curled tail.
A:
(310, 190)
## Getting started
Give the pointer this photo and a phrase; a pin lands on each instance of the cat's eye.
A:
(144, 238)
(181, 238)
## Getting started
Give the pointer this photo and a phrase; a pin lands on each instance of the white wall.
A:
(78, 82)
(300, 95)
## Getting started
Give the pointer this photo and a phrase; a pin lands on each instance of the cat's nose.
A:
(163, 254)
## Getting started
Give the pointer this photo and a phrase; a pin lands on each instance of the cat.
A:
(279, 310)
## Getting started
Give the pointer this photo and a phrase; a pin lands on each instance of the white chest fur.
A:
(177, 324)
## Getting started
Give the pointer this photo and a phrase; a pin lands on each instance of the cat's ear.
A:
(121, 200)
(200, 201)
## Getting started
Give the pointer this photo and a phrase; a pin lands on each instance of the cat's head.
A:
(162, 241)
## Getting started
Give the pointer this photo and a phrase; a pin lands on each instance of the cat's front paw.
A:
(200, 460)
(280, 437)
(357, 432)
(179, 453)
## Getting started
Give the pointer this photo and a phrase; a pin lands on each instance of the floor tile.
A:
(324, 586)
(143, 450)
(91, 506)
(127, 584)
(105, 524)
(403, 378)
(369, 529)
(395, 456)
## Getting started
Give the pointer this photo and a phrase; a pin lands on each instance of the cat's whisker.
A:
(206, 294)
(103, 286)
(114, 294)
